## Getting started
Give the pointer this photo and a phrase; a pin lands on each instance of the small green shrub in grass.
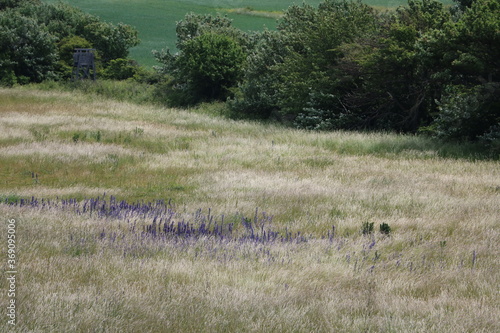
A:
(385, 229)
(367, 228)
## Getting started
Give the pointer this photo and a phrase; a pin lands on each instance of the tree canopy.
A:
(420, 68)
(209, 62)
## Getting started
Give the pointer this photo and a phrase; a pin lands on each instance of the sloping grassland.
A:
(96, 264)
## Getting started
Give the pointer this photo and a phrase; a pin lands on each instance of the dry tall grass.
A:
(436, 272)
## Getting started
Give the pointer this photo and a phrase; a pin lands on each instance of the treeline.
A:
(344, 65)
(422, 68)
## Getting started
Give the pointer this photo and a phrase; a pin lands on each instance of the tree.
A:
(194, 25)
(209, 62)
(257, 94)
(112, 42)
(400, 83)
(418, 68)
(62, 20)
(469, 108)
(4, 4)
(303, 78)
(28, 51)
(310, 76)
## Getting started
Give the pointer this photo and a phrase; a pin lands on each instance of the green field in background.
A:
(156, 19)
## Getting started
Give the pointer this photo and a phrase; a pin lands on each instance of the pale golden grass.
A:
(67, 152)
(436, 272)
(66, 192)
(63, 123)
(210, 286)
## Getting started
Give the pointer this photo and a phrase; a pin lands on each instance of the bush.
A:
(209, 63)
(257, 94)
(326, 112)
(4, 4)
(385, 229)
(7, 77)
(491, 139)
(467, 114)
(367, 228)
(212, 64)
(120, 69)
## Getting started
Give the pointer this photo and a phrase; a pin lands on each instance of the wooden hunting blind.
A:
(84, 64)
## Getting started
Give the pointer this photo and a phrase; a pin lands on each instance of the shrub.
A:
(491, 139)
(212, 64)
(367, 228)
(257, 94)
(385, 229)
(467, 114)
(206, 69)
(7, 77)
(120, 69)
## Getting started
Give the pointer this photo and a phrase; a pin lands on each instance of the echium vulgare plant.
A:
(158, 219)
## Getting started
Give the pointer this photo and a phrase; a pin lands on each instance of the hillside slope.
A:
(167, 230)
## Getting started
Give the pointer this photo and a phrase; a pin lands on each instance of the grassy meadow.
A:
(108, 261)
(156, 19)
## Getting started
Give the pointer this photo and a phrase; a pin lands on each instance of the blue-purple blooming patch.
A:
(143, 229)
(159, 219)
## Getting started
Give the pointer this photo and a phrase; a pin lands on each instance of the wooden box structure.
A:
(84, 64)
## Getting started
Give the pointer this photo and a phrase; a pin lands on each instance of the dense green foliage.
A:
(37, 40)
(302, 65)
(27, 52)
(209, 62)
(343, 65)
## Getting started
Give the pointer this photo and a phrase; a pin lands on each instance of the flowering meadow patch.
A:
(160, 220)
(176, 265)
(158, 223)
